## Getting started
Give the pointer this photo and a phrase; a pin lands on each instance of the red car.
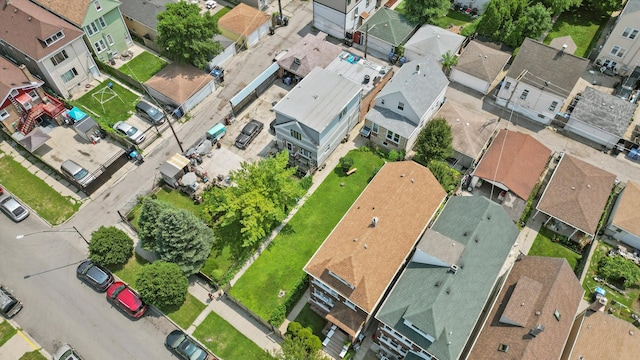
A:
(121, 295)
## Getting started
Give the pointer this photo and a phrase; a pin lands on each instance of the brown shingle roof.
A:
(179, 82)
(604, 336)
(243, 19)
(515, 160)
(404, 197)
(11, 77)
(311, 51)
(577, 194)
(72, 10)
(627, 216)
(481, 61)
(25, 26)
(551, 285)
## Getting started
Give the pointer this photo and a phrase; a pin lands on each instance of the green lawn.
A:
(279, 267)
(129, 271)
(543, 246)
(143, 66)
(224, 340)
(308, 318)
(34, 355)
(186, 313)
(116, 109)
(36, 193)
(583, 25)
(221, 12)
(6, 332)
(454, 18)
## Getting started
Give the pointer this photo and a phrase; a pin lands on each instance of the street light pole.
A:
(72, 229)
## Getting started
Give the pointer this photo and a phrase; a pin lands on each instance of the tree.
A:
(448, 61)
(151, 210)
(603, 6)
(110, 246)
(162, 284)
(617, 268)
(426, 11)
(499, 17)
(263, 193)
(186, 36)
(533, 22)
(183, 239)
(346, 163)
(434, 142)
(299, 344)
(558, 6)
(448, 177)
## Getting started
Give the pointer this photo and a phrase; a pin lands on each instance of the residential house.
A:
(434, 306)
(357, 263)
(258, 4)
(601, 117)
(383, 32)
(621, 51)
(23, 101)
(51, 48)
(339, 17)
(182, 86)
(624, 221)
(432, 40)
(478, 66)
(406, 104)
(314, 117)
(471, 132)
(245, 25)
(141, 18)
(540, 81)
(533, 314)
(105, 31)
(306, 54)
(575, 197)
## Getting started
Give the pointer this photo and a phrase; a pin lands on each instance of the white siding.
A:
(328, 20)
(469, 81)
(536, 104)
(196, 98)
(79, 59)
(592, 133)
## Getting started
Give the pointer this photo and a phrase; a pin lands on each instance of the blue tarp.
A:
(76, 114)
(601, 291)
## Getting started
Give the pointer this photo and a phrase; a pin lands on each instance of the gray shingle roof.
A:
(144, 11)
(447, 305)
(434, 40)
(388, 25)
(604, 111)
(481, 61)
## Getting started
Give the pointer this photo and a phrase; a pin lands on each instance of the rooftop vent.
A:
(503, 347)
(537, 330)
(366, 246)
(296, 60)
(454, 268)
(374, 221)
(418, 68)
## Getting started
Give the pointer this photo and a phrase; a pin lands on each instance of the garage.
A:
(478, 66)
(182, 86)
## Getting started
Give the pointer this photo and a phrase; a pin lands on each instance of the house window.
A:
(109, 39)
(524, 94)
(296, 135)
(400, 106)
(34, 95)
(610, 64)
(4, 114)
(305, 153)
(59, 57)
(69, 75)
(53, 38)
(630, 33)
(367, 4)
(507, 85)
(553, 106)
(393, 137)
(342, 113)
(100, 46)
(617, 51)
(350, 305)
(290, 147)
(341, 280)
(103, 24)
(97, 5)
(503, 348)
(374, 128)
(91, 29)
(14, 93)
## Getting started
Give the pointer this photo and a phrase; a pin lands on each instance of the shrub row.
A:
(280, 313)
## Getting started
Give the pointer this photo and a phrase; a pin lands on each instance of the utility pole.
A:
(174, 133)
(366, 40)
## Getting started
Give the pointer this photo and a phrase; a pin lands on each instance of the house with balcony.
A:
(540, 80)
(620, 53)
(51, 48)
(339, 17)
(455, 271)
(23, 102)
(104, 29)
(358, 262)
(624, 221)
(405, 104)
(314, 117)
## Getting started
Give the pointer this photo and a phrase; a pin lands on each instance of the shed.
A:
(173, 169)
(87, 128)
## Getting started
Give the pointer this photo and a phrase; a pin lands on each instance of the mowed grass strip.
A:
(279, 267)
(143, 66)
(225, 341)
(582, 25)
(185, 314)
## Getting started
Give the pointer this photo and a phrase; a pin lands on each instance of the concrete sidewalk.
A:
(19, 344)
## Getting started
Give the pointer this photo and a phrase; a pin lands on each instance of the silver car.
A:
(66, 352)
(81, 175)
(16, 211)
(131, 132)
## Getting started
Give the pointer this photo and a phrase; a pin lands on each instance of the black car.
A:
(95, 275)
(249, 132)
(150, 113)
(183, 346)
(9, 305)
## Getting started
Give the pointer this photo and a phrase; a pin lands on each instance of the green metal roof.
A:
(390, 26)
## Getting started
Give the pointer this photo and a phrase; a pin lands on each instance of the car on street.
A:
(95, 275)
(13, 208)
(9, 305)
(81, 175)
(131, 132)
(150, 113)
(121, 295)
(248, 133)
(66, 352)
(185, 347)
(210, 4)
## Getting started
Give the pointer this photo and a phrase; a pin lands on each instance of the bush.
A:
(280, 313)
(395, 155)
(162, 284)
(346, 163)
(306, 182)
(110, 246)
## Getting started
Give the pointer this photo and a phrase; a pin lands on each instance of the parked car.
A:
(248, 133)
(81, 175)
(185, 347)
(13, 208)
(121, 295)
(131, 132)
(9, 305)
(95, 275)
(66, 352)
(210, 4)
(150, 113)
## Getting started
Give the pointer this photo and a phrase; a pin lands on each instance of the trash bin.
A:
(272, 30)
(285, 21)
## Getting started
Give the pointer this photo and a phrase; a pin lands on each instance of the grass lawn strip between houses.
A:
(116, 109)
(279, 267)
(543, 246)
(6, 332)
(33, 355)
(308, 318)
(143, 66)
(224, 340)
(582, 25)
(35, 192)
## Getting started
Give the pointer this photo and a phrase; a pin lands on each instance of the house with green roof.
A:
(383, 32)
(441, 294)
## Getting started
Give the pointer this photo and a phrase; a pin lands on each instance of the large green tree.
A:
(263, 193)
(151, 210)
(183, 239)
(110, 246)
(162, 284)
(434, 142)
(448, 177)
(619, 269)
(425, 11)
(499, 17)
(603, 6)
(299, 344)
(186, 35)
(558, 6)
(532, 23)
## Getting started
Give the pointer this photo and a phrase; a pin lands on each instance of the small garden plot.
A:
(544, 245)
(105, 107)
(143, 66)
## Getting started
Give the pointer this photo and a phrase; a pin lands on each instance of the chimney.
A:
(453, 268)
(599, 304)
(33, 80)
(537, 330)
(374, 221)
(418, 68)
